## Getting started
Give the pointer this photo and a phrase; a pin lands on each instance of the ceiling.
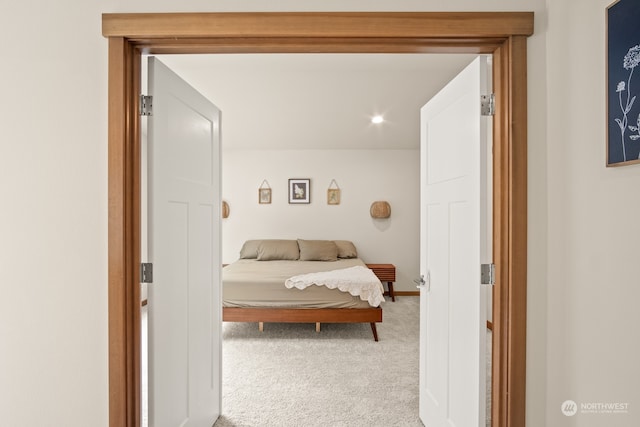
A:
(318, 101)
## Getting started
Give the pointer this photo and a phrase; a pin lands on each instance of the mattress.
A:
(252, 283)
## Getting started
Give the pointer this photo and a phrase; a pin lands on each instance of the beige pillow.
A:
(250, 249)
(318, 250)
(271, 250)
(346, 249)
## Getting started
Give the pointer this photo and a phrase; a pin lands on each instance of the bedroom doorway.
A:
(244, 96)
(502, 34)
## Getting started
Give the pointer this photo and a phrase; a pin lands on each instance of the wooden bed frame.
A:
(305, 315)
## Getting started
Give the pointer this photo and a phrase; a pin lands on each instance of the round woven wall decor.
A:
(225, 209)
(380, 209)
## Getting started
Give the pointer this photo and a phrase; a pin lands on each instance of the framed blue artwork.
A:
(623, 83)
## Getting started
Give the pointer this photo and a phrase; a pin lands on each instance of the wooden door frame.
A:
(503, 34)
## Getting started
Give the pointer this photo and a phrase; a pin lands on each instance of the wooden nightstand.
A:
(386, 273)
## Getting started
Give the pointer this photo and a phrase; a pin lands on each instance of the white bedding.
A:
(358, 281)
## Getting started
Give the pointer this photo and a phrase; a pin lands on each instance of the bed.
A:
(275, 281)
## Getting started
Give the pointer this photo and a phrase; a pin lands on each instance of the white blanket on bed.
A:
(358, 281)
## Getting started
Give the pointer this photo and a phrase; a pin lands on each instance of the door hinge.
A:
(146, 105)
(146, 272)
(487, 274)
(488, 105)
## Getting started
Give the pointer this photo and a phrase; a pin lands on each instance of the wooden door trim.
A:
(412, 25)
(124, 234)
(503, 34)
(510, 233)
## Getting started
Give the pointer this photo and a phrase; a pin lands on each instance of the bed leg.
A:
(375, 331)
(317, 326)
(261, 326)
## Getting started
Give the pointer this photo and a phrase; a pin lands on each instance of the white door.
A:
(453, 243)
(184, 246)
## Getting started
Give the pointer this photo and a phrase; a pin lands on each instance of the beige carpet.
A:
(289, 375)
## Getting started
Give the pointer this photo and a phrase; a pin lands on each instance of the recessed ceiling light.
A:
(377, 119)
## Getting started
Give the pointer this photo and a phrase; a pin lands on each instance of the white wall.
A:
(594, 230)
(53, 217)
(363, 177)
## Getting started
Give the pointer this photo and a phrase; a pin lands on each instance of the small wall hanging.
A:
(333, 194)
(264, 193)
(299, 190)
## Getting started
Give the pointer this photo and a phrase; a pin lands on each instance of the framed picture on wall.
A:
(299, 190)
(623, 57)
